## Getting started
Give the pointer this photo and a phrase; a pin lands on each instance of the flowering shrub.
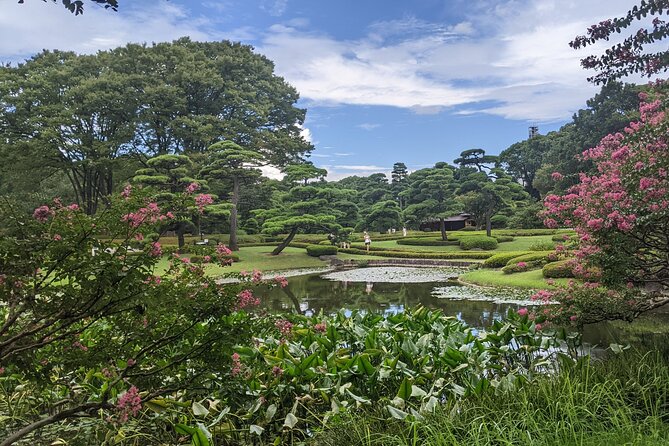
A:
(620, 213)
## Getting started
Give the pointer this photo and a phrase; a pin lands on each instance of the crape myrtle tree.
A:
(304, 207)
(621, 214)
(228, 163)
(633, 54)
(76, 7)
(94, 337)
(431, 195)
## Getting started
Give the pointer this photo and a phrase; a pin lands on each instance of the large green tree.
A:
(431, 195)
(229, 163)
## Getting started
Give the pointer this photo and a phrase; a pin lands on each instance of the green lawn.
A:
(490, 277)
(258, 257)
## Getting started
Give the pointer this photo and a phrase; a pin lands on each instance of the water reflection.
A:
(310, 294)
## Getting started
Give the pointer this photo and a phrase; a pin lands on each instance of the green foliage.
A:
(518, 267)
(384, 215)
(427, 241)
(534, 258)
(501, 259)
(627, 389)
(542, 246)
(321, 250)
(503, 238)
(478, 242)
(419, 255)
(559, 269)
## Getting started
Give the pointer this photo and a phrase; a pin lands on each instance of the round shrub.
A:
(478, 242)
(499, 221)
(501, 259)
(558, 270)
(517, 267)
(321, 250)
(533, 259)
(427, 241)
(325, 242)
(468, 228)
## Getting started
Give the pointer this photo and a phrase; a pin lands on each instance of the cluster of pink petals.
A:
(192, 187)
(130, 403)
(246, 299)
(284, 326)
(42, 214)
(149, 214)
(237, 366)
(203, 200)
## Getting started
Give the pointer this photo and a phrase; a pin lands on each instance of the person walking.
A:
(368, 241)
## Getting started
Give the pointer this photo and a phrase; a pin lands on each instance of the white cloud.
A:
(343, 154)
(320, 155)
(272, 172)
(513, 54)
(306, 134)
(368, 126)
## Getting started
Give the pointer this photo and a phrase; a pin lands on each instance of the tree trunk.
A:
(488, 225)
(442, 228)
(180, 236)
(233, 245)
(285, 243)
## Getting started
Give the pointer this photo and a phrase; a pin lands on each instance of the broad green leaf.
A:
(404, 391)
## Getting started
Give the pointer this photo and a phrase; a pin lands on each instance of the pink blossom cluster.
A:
(237, 366)
(521, 265)
(203, 200)
(284, 326)
(156, 250)
(246, 299)
(42, 214)
(222, 250)
(320, 327)
(149, 214)
(127, 190)
(281, 281)
(192, 187)
(130, 403)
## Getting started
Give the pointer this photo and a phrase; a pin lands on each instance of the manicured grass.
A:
(619, 401)
(527, 279)
(258, 257)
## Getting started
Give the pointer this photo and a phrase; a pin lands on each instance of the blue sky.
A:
(383, 81)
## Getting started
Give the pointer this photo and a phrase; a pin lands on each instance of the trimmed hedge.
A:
(533, 259)
(321, 250)
(420, 255)
(518, 267)
(478, 241)
(501, 259)
(428, 241)
(561, 269)
(542, 246)
(503, 238)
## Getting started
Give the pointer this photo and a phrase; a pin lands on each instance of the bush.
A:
(325, 243)
(478, 241)
(503, 238)
(533, 259)
(517, 267)
(558, 270)
(542, 246)
(468, 228)
(501, 259)
(428, 241)
(321, 250)
(564, 237)
(419, 255)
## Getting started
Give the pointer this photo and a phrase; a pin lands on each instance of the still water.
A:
(382, 290)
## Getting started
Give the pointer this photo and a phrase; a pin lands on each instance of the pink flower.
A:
(207, 259)
(284, 326)
(222, 250)
(236, 365)
(538, 327)
(131, 362)
(246, 299)
(126, 192)
(256, 277)
(522, 312)
(203, 200)
(521, 265)
(282, 281)
(73, 207)
(192, 187)
(556, 176)
(277, 371)
(42, 214)
(321, 328)
(156, 250)
(130, 403)
(57, 237)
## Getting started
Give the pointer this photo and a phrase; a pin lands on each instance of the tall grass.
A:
(621, 401)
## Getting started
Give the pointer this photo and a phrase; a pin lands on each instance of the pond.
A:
(388, 290)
